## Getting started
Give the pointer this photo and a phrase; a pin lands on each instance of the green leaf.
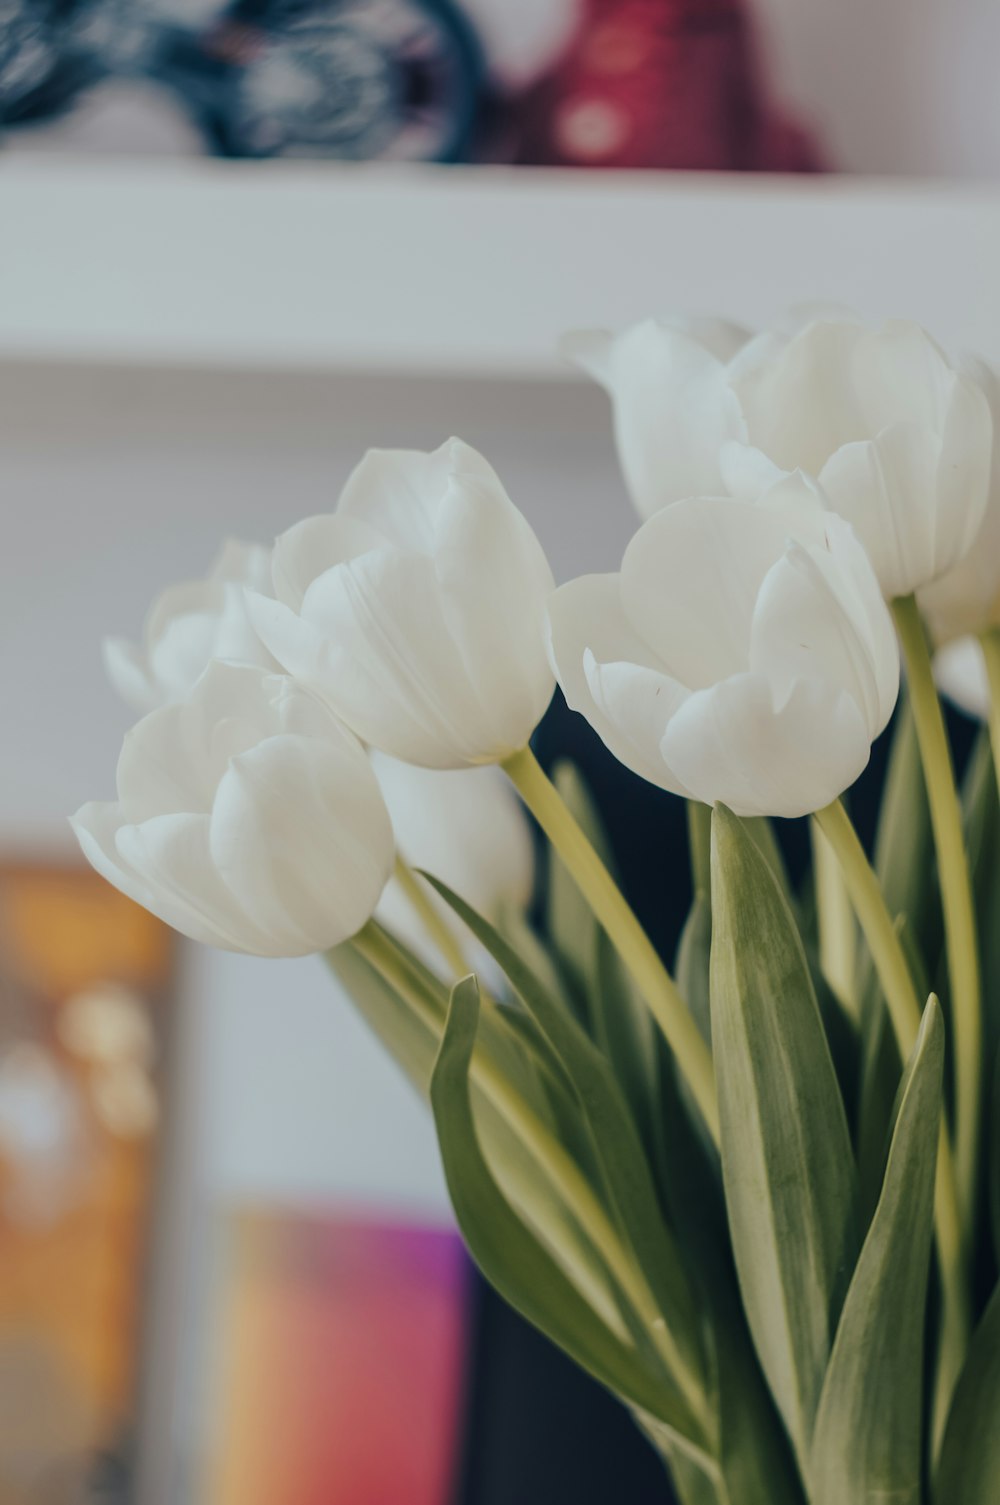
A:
(982, 833)
(692, 962)
(969, 1471)
(621, 1156)
(904, 862)
(904, 844)
(788, 1167)
(624, 1032)
(508, 1254)
(400, 1031)
(867, 1443)
(570, 922)
(993, 1159)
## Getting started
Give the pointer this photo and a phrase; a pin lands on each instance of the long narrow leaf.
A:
(969, 1472)
(616, 1144)
(506, 1251)
(788, 1166)
(867, 1444)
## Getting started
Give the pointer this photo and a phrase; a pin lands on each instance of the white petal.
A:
(638, 703)
(96, 826)
(720, 337)
(401, 494)
(961, 674)
(316, 544)
(820, 616)
(590, 349)
(171, 855)
(673, 410)
(244, 564)
(967, 598)
(116, 851)
(747, 472)
(610, 676)
(301, 836)
(732, 744)
(426, 632)
(689, 584)
(885, 489)
(964, 477)
(901, 376)
(466, 826)
(800, 403)
(128, 673)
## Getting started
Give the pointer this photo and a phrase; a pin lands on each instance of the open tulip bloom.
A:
(754, 1194)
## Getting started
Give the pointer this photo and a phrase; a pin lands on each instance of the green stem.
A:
(956, 898)
(990, 641)
(626, 934)
(699, 823)
(904, 1013)
(437, 928)
(835, 917)
(555, 1162)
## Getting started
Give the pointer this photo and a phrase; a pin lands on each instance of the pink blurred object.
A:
(660, 83)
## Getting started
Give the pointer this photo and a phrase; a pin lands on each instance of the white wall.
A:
(891, 86)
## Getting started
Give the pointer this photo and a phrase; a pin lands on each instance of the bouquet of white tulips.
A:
(756, 1194)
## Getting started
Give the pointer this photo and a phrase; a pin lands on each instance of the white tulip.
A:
(248, 817)
(468, 828)
(672, 403)
(898, 438)
(744, 653)
(417, 609)
(960, 671)
(967, 599)
(189, 625)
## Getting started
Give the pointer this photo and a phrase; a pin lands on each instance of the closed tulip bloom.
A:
(743, 654)
(417, 609)
(467, 827)
(189, 625)
(967, 599)
(248, 817)
(898, 438)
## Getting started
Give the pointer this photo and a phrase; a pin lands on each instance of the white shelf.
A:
(454, 271)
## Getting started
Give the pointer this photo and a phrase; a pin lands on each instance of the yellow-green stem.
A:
(624, 931)
(990, 641)
(558, 1166)
(699, 824)
(956, 899)
(438, 930)
(904, 1008)
(835, 916)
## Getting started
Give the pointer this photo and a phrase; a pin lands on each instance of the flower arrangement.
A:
(757, 1196)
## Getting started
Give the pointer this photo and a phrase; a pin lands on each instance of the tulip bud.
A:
(248, 817)
(898, 438)
(417, 609)
(744, 653)
(468, 828)
(189, 625)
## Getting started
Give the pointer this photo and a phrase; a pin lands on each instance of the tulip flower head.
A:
(967, 599)
(417, 609)
(898, 437)
(743, 654)
(248, 817)
(189, 625)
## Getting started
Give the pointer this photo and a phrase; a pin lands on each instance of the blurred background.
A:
(228, 1272)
